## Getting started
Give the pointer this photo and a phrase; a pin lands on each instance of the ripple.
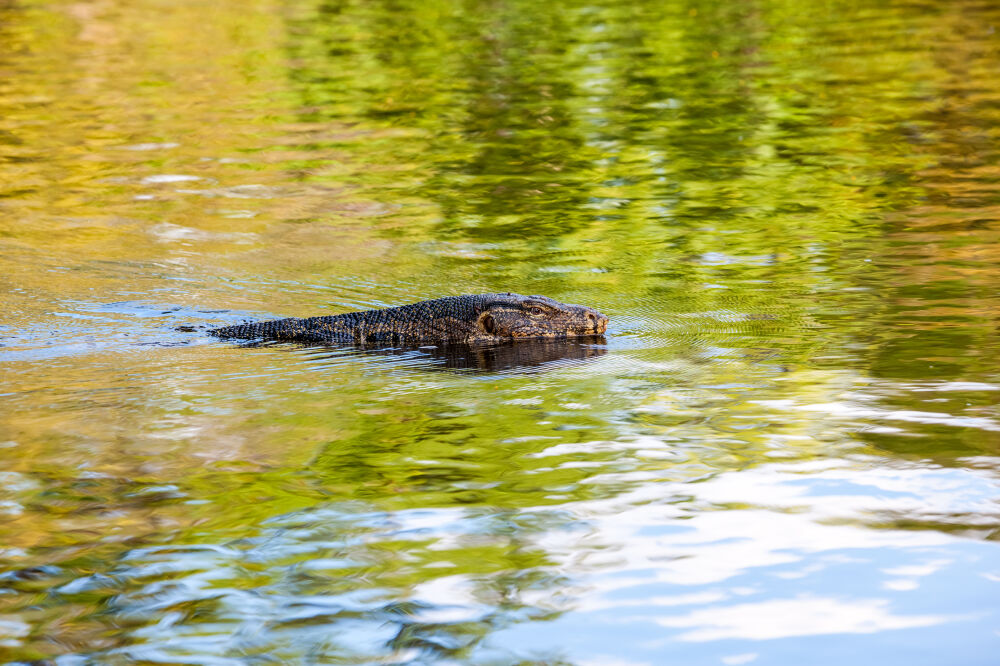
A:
(169, 178)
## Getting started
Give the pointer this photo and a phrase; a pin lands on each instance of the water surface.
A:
(786, 451)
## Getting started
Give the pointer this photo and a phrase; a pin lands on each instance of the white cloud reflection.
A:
(803, 616)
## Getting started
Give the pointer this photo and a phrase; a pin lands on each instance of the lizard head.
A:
(515, 316)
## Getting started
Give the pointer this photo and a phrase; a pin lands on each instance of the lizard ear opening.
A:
(487, 324)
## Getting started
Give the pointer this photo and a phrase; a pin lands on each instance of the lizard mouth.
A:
(534, 333)
(594, 323)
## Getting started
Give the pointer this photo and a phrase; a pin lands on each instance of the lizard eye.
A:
(536, 311)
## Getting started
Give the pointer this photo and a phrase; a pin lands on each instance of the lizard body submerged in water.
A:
(472, 319)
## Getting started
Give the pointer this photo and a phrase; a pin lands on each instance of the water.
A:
(785, 452)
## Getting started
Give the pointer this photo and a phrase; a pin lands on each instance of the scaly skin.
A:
(474, 319)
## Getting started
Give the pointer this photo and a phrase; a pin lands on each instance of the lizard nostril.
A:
(598, 321)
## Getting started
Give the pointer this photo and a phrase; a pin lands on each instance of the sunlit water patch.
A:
(822, 553)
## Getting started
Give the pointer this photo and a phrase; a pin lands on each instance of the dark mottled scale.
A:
(476, 318)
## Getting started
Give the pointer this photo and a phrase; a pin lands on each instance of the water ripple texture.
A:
(784, 451)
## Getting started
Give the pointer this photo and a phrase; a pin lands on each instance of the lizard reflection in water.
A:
(524, 357)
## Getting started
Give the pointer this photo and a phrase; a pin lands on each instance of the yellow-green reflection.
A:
(788, 211)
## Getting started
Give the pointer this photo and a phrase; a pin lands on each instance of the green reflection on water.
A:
(789, 213)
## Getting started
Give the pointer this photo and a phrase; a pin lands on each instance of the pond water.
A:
(786, 451)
